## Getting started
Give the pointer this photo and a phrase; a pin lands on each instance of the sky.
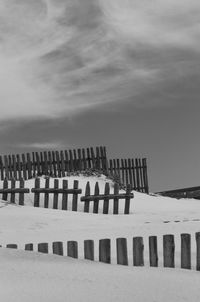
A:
(124, 74)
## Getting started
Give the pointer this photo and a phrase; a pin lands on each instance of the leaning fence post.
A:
(5, 186)
(87, 202)
(104, 251)
(153, 251)
(57, 248)
(96, 200)
(168, 250)
(186, 251)
(72, 249)
(122, 255)
(89, 249)
(197, 235)
(43, 248)
(138, 251)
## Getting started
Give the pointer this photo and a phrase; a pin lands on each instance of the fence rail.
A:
(122, 251)
(64, 192)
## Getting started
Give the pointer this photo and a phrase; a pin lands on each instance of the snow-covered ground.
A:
(27, 276)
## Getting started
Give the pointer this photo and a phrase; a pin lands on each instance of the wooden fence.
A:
(52, 163)
(46, 191)
(131, 171)
(106, 197)
(192, 192)
(121, 250)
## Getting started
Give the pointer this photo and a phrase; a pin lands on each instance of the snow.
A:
(30, 276)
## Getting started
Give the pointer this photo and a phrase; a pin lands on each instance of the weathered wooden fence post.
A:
(122, 255)
(197, 235)
(186, 251)
(65, 195)
(55, 195)
(57, 248)
(87, 202)
(72, 249)
(89, 249)
(104, 251)
(43, 248)
(96, 200)
(106, 199)
(153, 251)
(75, 197)
(138, 251)
(29, 247)
(116, 199)
(168, 250)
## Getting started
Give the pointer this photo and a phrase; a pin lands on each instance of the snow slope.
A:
(45, 277)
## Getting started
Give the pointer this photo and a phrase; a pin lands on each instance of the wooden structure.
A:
(131, 171)
(52, 163)
(13, 191)
(191, 192)
(106, 197)
(104, 251)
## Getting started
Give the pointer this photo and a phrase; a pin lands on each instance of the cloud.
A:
(62, 57)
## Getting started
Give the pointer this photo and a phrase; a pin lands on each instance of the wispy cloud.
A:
(60, 57)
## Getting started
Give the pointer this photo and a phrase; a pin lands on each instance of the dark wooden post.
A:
(62, 163)
(153, 251)
(12, 199)
(21, 194)
(67, 164)
(29, 165)
(46, 170)
(19, 166)
(104, 251)
(127, 199)
(197, 236)
(122, 255)
(106, 199)
(72, 249)
(58, 248)
(138, 251)
(84, 160)
(46, 195)
(58, 164)
(96, 200)
(37, 194)
(5, 186)
(54, 164)
(168, 250)
(65, 195)
(87, 202)
(116, 199)
(38, 163)
(14, 166)
(2, 168)
(50, 164)
(89, 249)
(6, 167)
(24, 166)
(75, 197)
(71, 163)
(43, 248)
(55, 195)
(186, 251)
(88, 158)
(11, 246)
(29, 247)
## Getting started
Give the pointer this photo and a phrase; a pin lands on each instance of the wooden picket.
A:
(106, 197)
(13, 191)
(52, 163)
(104, 250)
(55, 191)
(130, 171)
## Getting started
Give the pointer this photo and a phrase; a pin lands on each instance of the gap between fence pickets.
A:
(121, 250)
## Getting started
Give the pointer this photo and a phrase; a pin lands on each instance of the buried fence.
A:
(50, 193)
(104, 251)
